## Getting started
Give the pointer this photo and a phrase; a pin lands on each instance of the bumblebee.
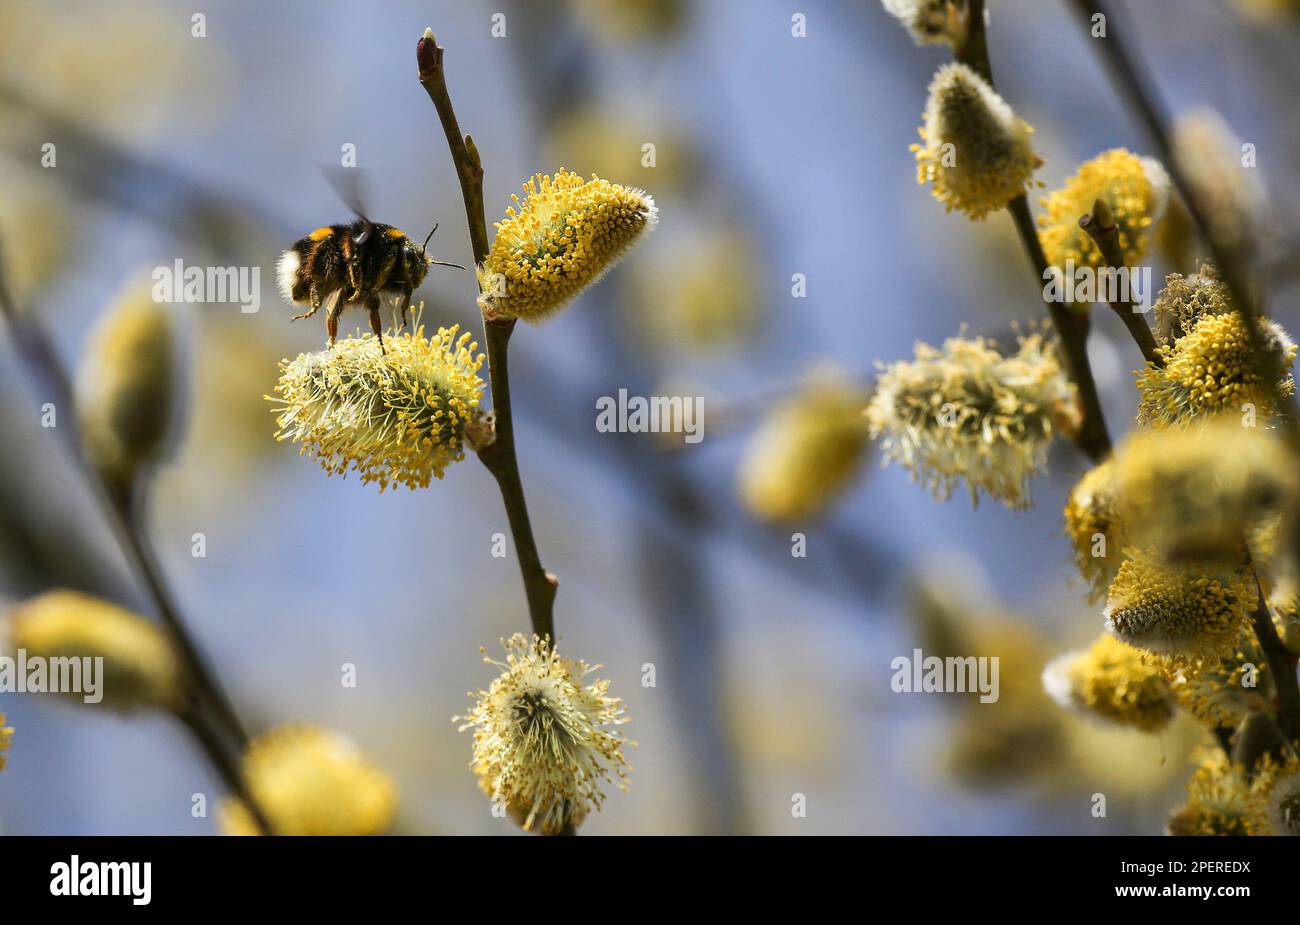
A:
(354, 264)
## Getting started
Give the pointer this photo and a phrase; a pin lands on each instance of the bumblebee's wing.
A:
(347, 183)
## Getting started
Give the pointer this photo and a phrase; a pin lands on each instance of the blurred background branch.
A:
(209, 716)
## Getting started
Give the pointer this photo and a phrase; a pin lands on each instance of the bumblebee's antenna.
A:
(424, 249)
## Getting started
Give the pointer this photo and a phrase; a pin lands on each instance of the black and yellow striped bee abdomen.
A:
(321, 260)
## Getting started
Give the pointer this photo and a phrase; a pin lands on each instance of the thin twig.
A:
(1101, 226)
(210, 701)
(500, 459)
(1282, 663)
(141, 551)
(1071, 326)
(499, 456)
(195, 720)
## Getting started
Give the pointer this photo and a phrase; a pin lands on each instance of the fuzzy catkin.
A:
(1094, 527)
(399, 416)
(311, 781)
(930, 22)
(807, 452)
(1113, 681)
(1195, 493)
(1192, 610)
(976, 152)
(565, 235)
(1135, 188)
(1221, 800)
(1212, 370)
(546, 738)
(128, 383)
(142, 666)
(967, 413)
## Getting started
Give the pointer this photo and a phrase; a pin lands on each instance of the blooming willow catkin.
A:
(311, 781)
(1223, 692)
(399, 416)
(1221, 800)
(128, 386)
(545, 739)
(1228, 191)
(1185, 300)
(806, 453)
(931, 22)
(1212, 370)
(976, 153)
(1284, 602)
(1135, 188)
(1094, 527)
(1187, 611)
(1282, 800)
(968, 413)
(142, 667)
(566, 234)
(1113, 681)
(1197, 492)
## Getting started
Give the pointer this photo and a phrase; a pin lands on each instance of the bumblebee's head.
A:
(415, 261)
(425, 260)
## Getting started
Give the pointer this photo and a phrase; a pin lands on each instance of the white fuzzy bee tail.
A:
(286, 273)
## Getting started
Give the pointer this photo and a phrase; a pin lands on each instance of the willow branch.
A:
(1072, 329)
(141, 551)
(1137, 89)
(499, 456)
(220, 757)
(1133, 84)
(1282, 664)
(1071, 326)
(1101, 226)
(464, 156)
(209, 702)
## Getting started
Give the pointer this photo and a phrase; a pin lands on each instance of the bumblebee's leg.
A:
(352, 262)
(376, 323)
(354, 280)
(315, 305)
(378, 280)
(385, 270)
(405, 304)
(332, 318)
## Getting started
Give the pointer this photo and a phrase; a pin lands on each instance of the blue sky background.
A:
(770, 682)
